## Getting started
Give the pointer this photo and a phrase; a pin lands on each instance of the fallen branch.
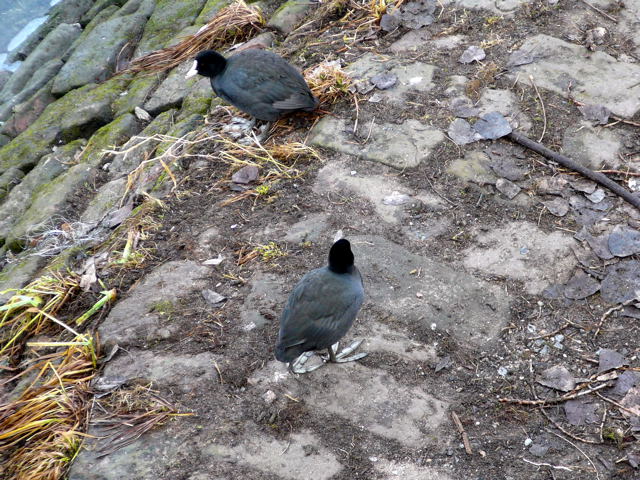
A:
(576, 167)
(465, 437)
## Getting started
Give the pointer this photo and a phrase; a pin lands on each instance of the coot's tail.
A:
(316, 102)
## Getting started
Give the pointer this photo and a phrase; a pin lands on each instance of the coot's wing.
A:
(320, 310)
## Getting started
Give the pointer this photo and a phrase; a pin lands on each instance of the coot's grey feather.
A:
(320, 309)
(257, 82)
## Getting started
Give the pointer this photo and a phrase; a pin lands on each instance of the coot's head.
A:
(340, 257)
(208, 63)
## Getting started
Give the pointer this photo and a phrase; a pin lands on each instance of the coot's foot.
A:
(342, 357)
(241, 130)
(298, 365)
(239, 127)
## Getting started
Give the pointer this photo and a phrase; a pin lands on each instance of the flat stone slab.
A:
(399, 146)
(471, 310)
(163, 370)
(169, 18)
(53, 47)
(289, 459)
(333, 177)
(414, 77)
(521, 251)
(22, 196)
(145, 314)
(287, 17)
(592, 147)
(172, 91)
(266, 296)
(368, 398)
(391, 470)
(18, 274)
(505, 102)
(596, 77)
(308, 229)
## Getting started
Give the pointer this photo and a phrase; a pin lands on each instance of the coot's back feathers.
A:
(322, 306)
(257, 82)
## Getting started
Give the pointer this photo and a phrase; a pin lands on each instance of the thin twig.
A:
(551, 334)
(620, 172)
(555, 467)
(215, 364)
(614, 309)
(558, 426)
(580, 450)
(567, 432)
(440, 194)
(613, 402)
(465, 438)
(551, 401)
(544, 112)
(601, 12)
(604, 418)
(286, 448)
(355, 124)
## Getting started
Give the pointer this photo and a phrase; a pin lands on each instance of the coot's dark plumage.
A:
(322, 307)
(257, 82)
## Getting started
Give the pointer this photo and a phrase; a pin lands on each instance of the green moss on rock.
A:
(137, 93)
(124, 163)
(48, 203)
(77, 114)
(108, 137)
(210, 9)
(168, 18)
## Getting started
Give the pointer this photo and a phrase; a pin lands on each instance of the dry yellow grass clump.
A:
(234, 23)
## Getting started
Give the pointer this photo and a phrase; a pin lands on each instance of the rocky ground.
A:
(494, 350)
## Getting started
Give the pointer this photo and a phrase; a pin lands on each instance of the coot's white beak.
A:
(193, 70)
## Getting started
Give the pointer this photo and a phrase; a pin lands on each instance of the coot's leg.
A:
(264, 132)
(342, 356)
(332, 354)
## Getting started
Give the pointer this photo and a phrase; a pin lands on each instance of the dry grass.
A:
(130, 413)
(268, 252)
(31, 309)
(234, 23)
(41, 428)
(44, 426)
(328, 82)
(126, 247)
(277, 161)
(367, 14)
(485, 76)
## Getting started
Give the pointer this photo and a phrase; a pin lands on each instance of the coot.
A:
(320, 311)
(256, 81)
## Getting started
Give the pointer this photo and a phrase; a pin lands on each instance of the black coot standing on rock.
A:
(257, 82)
(320, 311)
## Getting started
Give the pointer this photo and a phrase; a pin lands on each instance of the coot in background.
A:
(256, 81)
(320, 311)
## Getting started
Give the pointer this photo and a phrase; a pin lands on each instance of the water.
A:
(18, 19)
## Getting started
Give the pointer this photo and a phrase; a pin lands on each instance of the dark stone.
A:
(621, 282)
